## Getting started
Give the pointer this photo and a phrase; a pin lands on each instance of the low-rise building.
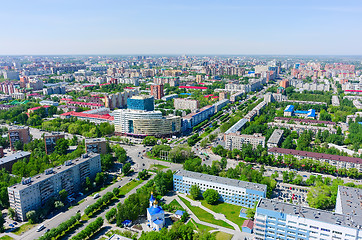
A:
(192, 119)
(305, 121)
(236, 141)
(33, 193)
(280, 220)
(169, 97)
(275, 138)
(334, 160)
(8, 161)
(299, 128)
(96, 145)
(230, 190)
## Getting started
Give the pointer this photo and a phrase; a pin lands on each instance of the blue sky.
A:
(181, 27)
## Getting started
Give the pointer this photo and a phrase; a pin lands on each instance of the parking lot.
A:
(285, 192)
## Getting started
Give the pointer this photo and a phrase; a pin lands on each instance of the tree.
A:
(126, 168)
(106, 161)
(223, 163)
(63, 194)
(115, 191)
(185, 216)
(58, 204)
(11, 213)
(211, 196)
(111, 214)
(250, 213)
(2, 221)
(18, 145)
(61, 146)
(100, 178)
(195, 191)
(32, 216)
(149, 141)
(143, 174)
(204, 142)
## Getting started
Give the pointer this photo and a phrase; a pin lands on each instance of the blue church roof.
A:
(158, 221)
(155, 210)
(179, 212)
(152, 198)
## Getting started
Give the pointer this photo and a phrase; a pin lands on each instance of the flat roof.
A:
(304, 120)
(14, 156)
(92, 140)
(141, 97)
(222, 180)
(42, 176)
(316, 155)
(276, 135)
(236, 126)
(308, 213)
(351, 199)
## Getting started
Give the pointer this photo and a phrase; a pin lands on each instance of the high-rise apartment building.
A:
(18, 133)
(33, 193)
(157, 91)
(50, 141)
(236, 141)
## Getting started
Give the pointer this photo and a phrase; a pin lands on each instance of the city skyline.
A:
(202, 28)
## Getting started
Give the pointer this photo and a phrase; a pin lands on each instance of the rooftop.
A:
(93, 140)
(307, 213)
(142, 97)
(222, 180)
(52, 171)
(316, 155)
(87, 115)
(237, 126)
(289, 108)
(351, 199)
(118, 237)
(304, 120)
(14, 157)
(276, 135)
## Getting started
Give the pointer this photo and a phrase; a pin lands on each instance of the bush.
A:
(211, 196)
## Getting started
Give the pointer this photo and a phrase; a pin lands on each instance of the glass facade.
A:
(141, 103)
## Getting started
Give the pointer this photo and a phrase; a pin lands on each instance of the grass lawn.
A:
(176, 204)
(223, 236)
(205, 216)
(230, 211)
(23, 228)
(6, 237)
(129, 186)
(83, 200)
(201, 226)
(157, 167)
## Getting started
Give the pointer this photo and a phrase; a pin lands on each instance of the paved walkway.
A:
(237, 234)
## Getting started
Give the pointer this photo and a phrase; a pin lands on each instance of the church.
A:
(155, 215)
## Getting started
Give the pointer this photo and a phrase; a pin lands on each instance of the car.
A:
(78, 211)
(96, 196)
(15, 223)
(11, 225)
(304, 175)
(47, 230)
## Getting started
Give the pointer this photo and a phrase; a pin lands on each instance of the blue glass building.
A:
(145, 103)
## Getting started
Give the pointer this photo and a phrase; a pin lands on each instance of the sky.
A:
(199, 27)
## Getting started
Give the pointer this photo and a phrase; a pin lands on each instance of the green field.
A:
(176, 204)
(205, 216)
(157, 167)
(201, 226)
(23, 228)
(129, 186)
(223, 236)
(230, 211)
(6, 237)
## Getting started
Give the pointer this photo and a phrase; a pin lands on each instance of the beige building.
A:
(96, 145)
(236, 141)
(184, 103)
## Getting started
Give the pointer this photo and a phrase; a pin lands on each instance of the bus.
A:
(41, 227)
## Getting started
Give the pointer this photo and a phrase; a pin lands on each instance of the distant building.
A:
(169, 97)
(50, 141)
(275, 138)
(230, 190)
(220, 104)
(334, 160)
(8, 161)
(12, 75)
(185, 103)
(96, 145)
(141, 102)
(236, 141)
(18, 133)
(284, 83)
(191, 120)
(33, 193)
(289, 111)
(223, 95)
(199, 78)
(157, 91)
(49, 103)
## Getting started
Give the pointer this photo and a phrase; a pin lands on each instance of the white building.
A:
(236, 141)
(184, 103)
(32, 193)
(279, 220)
(230, 190)
(155, 215)
(275, 138)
